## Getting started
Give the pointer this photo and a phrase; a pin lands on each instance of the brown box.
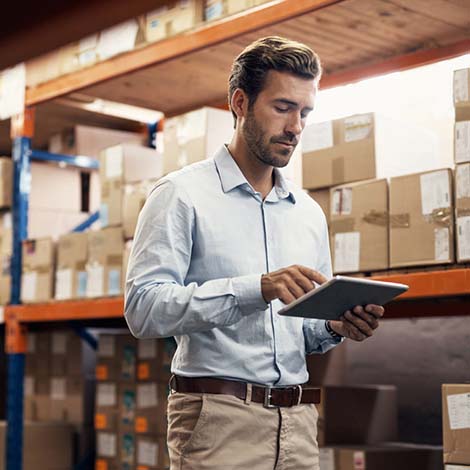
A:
(38, 270)
(45, 446)
(357, 415)
(176, 17)
(127, 449)
(462, 212)
(152, 453)
(71, 276)
(194, 136)
(461, 91)
(154, 360)
(215, 9)
(359, 226)
(106, 419)
(362, 147)
(90, 141)
(151, 407)
(329, 368)
(421, 219)
(456, 423)
(57, 396)
(6, 241)
(6, 178)
(322, 197)
(384, 457)
(107, 363)
(79, 400)
(462, 141)
(104, 265)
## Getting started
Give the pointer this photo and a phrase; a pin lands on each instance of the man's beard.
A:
(259, 145)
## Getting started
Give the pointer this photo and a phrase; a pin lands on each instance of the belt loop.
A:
(300, 394)
(248, 393)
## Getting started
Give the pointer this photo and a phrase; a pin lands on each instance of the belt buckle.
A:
(267, 398)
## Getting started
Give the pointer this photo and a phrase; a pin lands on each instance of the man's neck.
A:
(257, 173)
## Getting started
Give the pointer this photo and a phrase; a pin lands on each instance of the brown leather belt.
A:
(270, 397)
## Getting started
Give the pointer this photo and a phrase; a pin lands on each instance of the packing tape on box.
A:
(399, 220)
(442, 217)
(342, 225)
(463, 212)
(338, 170)
(114, 260)
(376, 218)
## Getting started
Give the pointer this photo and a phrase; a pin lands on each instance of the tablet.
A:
(334, 297)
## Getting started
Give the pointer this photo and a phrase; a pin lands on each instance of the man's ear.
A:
(239, 103)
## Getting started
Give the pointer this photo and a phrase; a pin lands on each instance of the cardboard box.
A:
(152, 453)
(329, 368)
(104, 265)
(421, 219)
(462, 94)
(6, 243)
(456, 423)
(90, 141)
(64, 191)
(390, 457)
(194, 136)
(121, 165)
(6, 181)
(364, 146)
(462, 212)
(133, 199)
(151, 406)
(43, 68)
(45, 445)
(154, 360)
(37, 280)
(462, 141)
(71, 276)
(215, 9)
(322, 197)
(176, 17)
(106, 419)
(50, 223)
(456, 467)
(373, 418)
(79, 401)
(359, 226)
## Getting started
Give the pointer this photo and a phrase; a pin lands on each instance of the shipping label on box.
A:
(461, 86)
(462, 142)
(106, 444)
(456, 423)
(106, 395)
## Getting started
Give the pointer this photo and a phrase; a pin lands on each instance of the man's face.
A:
(273, 125)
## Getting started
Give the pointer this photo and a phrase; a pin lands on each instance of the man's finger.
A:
(369, 318)
(313, 275)
(303, 281)
(359, 323)
(376, 310)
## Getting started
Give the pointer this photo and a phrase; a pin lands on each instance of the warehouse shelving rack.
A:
(356, 38)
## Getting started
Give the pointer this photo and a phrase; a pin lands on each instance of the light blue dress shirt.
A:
(203, 240)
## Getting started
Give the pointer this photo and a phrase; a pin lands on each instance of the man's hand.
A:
(359, 323)
(289, 283)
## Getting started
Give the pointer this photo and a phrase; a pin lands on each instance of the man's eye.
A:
(281, 110)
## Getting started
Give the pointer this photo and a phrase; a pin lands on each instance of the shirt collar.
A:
(232, 177)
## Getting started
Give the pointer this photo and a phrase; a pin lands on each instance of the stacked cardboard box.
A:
(131, 398)
(195, 136)
(421, 219)
(215, 9)
(121, 167)
(359, 226)
(363, 147)
(174, 18)
(37, 281)
(322, 197)
(456, 425)
(59, 383)
(45, 445)
(71, 275)
(462, 212)
(104, 264)
(462, 115)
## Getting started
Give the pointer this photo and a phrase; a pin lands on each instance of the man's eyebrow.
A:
(291, 103)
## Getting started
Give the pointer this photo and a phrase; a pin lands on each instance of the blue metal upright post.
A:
(16, 354)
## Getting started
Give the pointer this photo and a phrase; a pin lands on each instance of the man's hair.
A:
(250, 68)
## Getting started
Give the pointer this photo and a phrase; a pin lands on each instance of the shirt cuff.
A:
(248, 293)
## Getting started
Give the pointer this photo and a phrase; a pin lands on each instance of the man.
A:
(220, 246)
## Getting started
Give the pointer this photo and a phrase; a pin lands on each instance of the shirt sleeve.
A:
(158, 303)
(317, 338)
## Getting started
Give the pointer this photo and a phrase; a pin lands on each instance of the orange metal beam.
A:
(433, 284)
(396, 64)
(89, 309)
(172, 48)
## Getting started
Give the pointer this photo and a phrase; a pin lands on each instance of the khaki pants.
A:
(222, 432)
